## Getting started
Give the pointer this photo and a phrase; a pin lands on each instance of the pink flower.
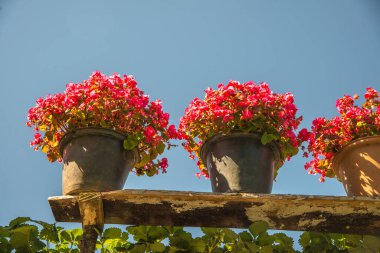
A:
(103, 101)
(328, 136)
(303, 135)
(343, 104)
(318, 123)
(370, 94)
(164, 163)
(149, 134)
(172, 132)
(244, 106)
(246, 114)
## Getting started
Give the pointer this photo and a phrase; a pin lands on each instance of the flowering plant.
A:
(246, 107)
(112, 102)
(327, 137)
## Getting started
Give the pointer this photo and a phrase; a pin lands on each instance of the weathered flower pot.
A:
(239, 162)
(94, 160)
(357, 165)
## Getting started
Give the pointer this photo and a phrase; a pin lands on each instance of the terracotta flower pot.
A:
(239, 162)
(357, 165)
(94, 160)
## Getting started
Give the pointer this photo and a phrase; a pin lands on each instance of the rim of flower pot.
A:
(272, 145)
(92, 130)
(349, 146)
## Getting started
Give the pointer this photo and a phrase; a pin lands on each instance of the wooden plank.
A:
(355, 215)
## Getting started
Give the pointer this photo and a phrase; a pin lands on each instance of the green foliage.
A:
(267, 138)
(131, 142)
(30, 236)
(322, 242)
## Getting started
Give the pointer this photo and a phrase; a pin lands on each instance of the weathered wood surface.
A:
(356, 215)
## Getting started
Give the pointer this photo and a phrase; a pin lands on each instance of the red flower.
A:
(172, 132)
(327, 137)
(149, 134)
(103, 101)
(243, 106)
(163, 163)
(371, 94)
(246, 114)
(303, 135)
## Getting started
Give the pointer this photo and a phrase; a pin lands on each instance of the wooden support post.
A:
(91, 212)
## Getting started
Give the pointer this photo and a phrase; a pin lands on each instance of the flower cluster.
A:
(327, 137)
(112, 102)
(244, 107)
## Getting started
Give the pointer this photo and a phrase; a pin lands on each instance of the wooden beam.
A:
(352, 215)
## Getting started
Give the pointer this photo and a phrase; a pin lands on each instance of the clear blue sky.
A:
(319, 50)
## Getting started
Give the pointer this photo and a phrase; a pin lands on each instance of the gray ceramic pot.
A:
(94, 160)
(239, 162)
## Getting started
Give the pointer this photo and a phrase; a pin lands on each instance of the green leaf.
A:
(173, 230)
(181, 240)
(304, 239)
(229, 236)
(153, 153)
(76, 234)
(37, 244)
(284, 242)
(245, 236)
(265, 239)
(266, 249)
(112, 233)
(291, 150)
(42, 223)
(21, 236)
(124, 236)
(252, 247)
(209, 231)
(18, 221)
(151, 172)
(319, 242)
(103, 124)
(372, 242)
(81, 115)
(119, 249)
(220, 250)
(198, 245)
(241, 247)
(157, 233)
(130, 143)
(258, 227)
(4, 246)
(140, 233)
(138, 248)
(157, 247)
(145, 158)
(49, 233)
(353, 239)
(266, 138)
(110, 244)
(65, 236)
(361, 250)
(161, 147)
(5, 231)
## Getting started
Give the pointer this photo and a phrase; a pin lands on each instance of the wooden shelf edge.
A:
(356, 215)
